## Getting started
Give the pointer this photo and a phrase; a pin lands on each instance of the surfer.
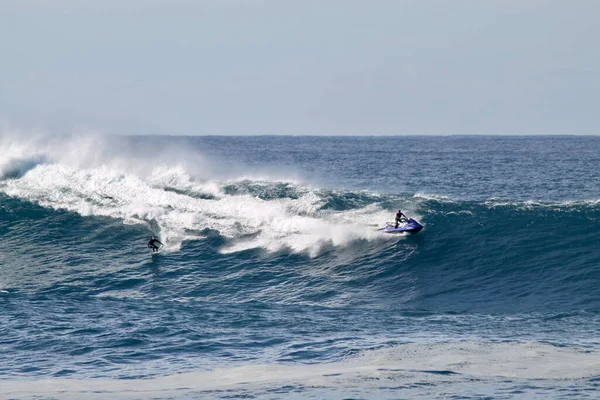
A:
(399, 218)
(152, 245)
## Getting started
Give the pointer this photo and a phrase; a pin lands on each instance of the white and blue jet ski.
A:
(410, 226)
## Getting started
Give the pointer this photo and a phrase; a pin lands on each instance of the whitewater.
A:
(275, 281)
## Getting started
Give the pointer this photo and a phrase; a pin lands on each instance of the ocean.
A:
(275, 281)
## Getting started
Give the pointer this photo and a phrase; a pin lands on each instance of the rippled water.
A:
(275, 281)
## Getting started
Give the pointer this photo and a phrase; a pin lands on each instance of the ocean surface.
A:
(275, 282)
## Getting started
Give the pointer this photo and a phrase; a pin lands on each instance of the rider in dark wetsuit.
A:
(152, 245)
(399, 218)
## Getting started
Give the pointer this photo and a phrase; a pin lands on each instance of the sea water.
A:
(275, 282)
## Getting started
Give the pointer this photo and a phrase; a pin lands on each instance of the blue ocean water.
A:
(275, 282)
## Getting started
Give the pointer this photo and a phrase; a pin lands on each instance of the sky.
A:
(301, 67)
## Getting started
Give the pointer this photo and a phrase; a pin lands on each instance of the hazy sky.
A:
(302, 66)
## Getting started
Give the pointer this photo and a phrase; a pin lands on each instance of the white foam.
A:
(528, 360)
(402, 365)
(426, 196)
(173, 201)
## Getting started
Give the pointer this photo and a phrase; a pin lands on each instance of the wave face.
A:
(273, 257)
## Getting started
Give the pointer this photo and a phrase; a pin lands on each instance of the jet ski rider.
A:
(400, 217)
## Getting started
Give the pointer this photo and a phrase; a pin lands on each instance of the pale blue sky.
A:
(301, 67)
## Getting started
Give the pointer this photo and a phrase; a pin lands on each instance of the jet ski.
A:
(410, 226)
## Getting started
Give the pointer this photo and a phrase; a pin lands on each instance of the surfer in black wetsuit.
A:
(399, 218)
(152, 245)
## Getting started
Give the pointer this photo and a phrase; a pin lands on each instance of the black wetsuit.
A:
(399, 216)
(152, 245)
